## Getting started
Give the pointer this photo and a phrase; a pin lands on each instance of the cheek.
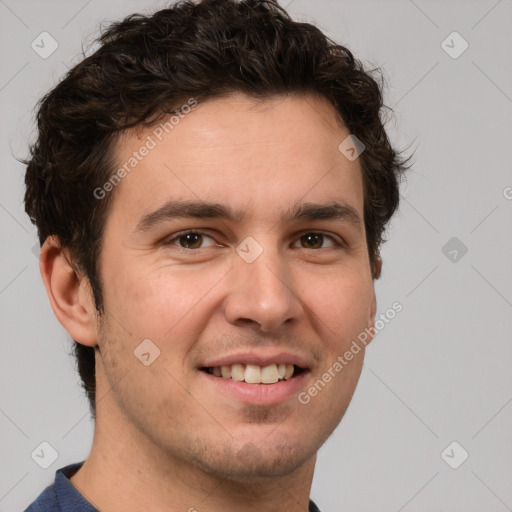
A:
(164, 302)
(342, 307)
(157, 299)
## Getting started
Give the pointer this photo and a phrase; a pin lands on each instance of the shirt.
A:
(63, 496)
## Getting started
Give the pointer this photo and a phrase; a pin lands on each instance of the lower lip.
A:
(258, 394)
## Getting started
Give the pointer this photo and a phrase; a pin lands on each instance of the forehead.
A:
(260, 157)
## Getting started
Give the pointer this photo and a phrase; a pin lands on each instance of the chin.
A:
(247, 462)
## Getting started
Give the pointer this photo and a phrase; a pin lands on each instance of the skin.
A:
(165, 438)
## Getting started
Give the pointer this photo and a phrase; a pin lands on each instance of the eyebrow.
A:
(207, 210)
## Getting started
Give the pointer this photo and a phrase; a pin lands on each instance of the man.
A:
(211, 188)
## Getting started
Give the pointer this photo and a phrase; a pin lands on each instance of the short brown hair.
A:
(149, 65)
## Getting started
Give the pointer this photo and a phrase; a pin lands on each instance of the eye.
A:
(189, 240)
(314, 240)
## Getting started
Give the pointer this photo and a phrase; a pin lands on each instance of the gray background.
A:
(439, 372)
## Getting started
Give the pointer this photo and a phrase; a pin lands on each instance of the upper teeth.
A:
(254, 374)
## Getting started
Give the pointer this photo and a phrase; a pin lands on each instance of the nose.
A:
(262, 293)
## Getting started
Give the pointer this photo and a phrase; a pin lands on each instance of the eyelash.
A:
(169, 241)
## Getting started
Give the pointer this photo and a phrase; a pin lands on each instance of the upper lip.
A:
(258, 358)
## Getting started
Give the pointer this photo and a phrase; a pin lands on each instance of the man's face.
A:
(297, 291)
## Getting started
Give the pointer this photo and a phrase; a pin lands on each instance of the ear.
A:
(377, 266)
(70, 294)
(371, 319)
(373, 310)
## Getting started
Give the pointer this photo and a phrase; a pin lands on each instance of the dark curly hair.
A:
(145, 68)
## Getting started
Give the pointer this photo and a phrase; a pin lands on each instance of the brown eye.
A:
(190, 240)
(312, 240)
(317, 240)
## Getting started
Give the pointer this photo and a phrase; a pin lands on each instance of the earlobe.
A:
(69, 293)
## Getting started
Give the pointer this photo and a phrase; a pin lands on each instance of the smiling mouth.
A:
(254, 374)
